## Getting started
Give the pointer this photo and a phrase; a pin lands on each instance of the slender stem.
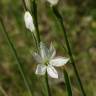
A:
(17, 58)
(38, 38)
(33, 35)
(35, 17)
(36, 41)
(67, 82)
(24, 4)
(47, 84)
(36, 20)
(60, 19)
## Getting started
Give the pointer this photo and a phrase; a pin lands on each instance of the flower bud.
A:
(53, 2)
(29, 21)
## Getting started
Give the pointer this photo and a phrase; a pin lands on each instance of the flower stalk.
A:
(29, 23)
(67, 82)
(60, 19)
(36, 20)
(24, 4)
(17, 58)
(38, 39)
(47, 84)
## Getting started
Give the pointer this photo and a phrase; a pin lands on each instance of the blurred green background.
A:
(80, 20)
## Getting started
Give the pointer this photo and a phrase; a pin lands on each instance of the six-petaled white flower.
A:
(47, 61)
(29, 21)
(53, 2)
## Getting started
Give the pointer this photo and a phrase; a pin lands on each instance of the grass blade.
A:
(17, 58)
(60, 19)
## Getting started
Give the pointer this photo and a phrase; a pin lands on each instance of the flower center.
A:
(46, 62)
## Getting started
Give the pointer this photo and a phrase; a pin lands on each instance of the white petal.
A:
(52, 51)
(29, 21)
(43, 50)
(41, 69)
(53, 2)
(60, 61)
(37, 57)
(52, 72)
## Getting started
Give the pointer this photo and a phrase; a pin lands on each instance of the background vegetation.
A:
(80, 19)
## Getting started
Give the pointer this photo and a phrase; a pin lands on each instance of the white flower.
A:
(53, 2)
(46, 61)
(29, 21)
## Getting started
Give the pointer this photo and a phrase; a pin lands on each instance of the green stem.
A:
(33, 35)
(67, 82)
(36, 20)
(60, 19)
(24, 4)
(35, 41)
(38, 38)
(17, 58)
(47, 84)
